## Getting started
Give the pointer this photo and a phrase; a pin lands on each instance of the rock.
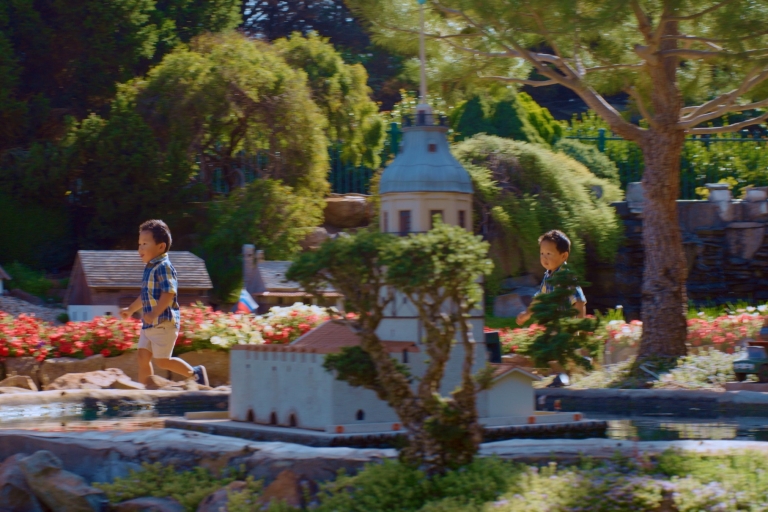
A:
(347, 211)
(102, 379)
(149, 504)
(12, 391)
(15, 494)
(19, 381)
(23, 366)
(158, 382)
(52, 369)
(127, 384)
(512, 283)
(216, 365)
(15, 307)
(58, 489)
(217, 501)
(128, 362)
(511, 304)
(286, 487)
(314, 239)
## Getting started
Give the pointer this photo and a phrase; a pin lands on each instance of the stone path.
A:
(15, 307)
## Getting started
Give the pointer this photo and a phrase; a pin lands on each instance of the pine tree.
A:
(565, 335)
(472, 120)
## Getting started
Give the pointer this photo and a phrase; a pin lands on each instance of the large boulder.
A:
(218, 500)
(15, 493)
(58, 489)
(511, 304)
(127, 361)
(315, 238)
(348, 211)
(102, 379)
(288, 487)
(19, 381)
(28, 366)
(148, 504)
(52, 369)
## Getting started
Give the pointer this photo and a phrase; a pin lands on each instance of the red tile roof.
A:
(331, 337)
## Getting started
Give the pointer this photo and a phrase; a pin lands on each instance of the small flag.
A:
(246, 304)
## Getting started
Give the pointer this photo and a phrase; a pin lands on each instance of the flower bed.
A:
(201, 328)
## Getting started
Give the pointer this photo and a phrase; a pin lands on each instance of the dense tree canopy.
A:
(64, 58)
(683, 63)
(341, 92)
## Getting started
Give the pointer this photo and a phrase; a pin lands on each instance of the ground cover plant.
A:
(673, 481)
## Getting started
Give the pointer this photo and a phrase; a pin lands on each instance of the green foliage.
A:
(564, 336)
(471, 120)
(187, 487)
(525, 190)
(27, 279)
(265, 213)
(540, 118)
(62, 317)
(342, 93)
(706, 370)
(510, 120)
(354, 366)
(591, 158)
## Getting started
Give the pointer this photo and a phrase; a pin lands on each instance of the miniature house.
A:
(3, 277)
(265, 281)
(103, 282)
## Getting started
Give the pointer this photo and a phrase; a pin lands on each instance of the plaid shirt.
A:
(546, 287)
(159, 277)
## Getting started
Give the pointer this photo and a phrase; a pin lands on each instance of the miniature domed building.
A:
(424, 180)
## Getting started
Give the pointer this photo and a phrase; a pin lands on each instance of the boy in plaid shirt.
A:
(160, 307)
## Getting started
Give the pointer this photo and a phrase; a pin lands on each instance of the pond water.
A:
(75, 417)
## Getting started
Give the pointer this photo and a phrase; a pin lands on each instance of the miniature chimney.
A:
(249, 265)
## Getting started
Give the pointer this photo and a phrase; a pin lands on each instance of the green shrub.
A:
(523, 190)
(27, 279)
(541, 119)
(589, 156)
(187, 487)
(62, 317)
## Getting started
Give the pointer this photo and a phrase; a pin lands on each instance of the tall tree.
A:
(437, 272)
(341, 92)
(62, 59)
(667, 55)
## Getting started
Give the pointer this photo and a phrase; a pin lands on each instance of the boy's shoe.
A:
(201, 376)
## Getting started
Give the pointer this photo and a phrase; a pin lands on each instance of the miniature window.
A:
(273, 419)
(360, 415)
(405, 222)
(462, 219)
(251, 418)
(386, 222)
(432, 214)
(432, 148)
(292, 420)
(405, 355)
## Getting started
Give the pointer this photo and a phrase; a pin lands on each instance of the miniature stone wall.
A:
(724, 242)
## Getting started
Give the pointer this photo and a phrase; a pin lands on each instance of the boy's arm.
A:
(130, 310)
(166, 299)
(526, 314)
(581, 307)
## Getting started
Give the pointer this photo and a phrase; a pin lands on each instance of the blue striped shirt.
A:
(159, 277)
(547, 287)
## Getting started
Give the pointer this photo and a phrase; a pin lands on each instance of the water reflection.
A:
(670, 428)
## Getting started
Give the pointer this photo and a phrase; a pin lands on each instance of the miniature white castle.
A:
(286, 385)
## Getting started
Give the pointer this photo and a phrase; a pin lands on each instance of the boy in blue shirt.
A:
(160, 307)
(554, 249)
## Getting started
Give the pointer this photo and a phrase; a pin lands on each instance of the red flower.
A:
(105, 352)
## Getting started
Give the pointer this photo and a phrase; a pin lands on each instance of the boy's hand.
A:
(149, 318)
(125, 313)
(523, 317)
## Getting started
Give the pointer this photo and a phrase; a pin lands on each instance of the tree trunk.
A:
(664, 300)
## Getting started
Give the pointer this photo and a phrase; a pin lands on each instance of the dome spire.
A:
(423, 106)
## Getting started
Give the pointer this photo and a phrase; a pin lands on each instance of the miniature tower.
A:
(425, 179)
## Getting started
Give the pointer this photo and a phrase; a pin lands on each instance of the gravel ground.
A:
(15, 307)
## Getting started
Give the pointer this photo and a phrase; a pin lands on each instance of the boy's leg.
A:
(175, 365)
(144, 357)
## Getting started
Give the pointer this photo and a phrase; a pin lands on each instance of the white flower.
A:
(762, 308)
(217, 340)
(750, 309)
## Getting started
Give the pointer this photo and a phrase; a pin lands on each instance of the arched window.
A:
(292, 421)
(251, 418)
(360, 416)
(273, 419)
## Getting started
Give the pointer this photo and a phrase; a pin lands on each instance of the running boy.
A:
(554, 248)
(160, 307)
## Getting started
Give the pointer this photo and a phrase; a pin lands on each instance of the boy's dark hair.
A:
(160, 232)
(562, 243)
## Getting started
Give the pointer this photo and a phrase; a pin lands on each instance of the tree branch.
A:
(635, 95)
(726, 102)
(691, 54)
(643, 22)
(613, 66)
(532, 83)
(730, 127)
(697, 15)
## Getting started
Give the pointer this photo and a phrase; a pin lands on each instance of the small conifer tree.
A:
(565, 335)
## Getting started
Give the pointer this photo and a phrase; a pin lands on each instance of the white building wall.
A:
(87, 313)
(283, 383)
(347, 401)
(421, 204)
(511, 395)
